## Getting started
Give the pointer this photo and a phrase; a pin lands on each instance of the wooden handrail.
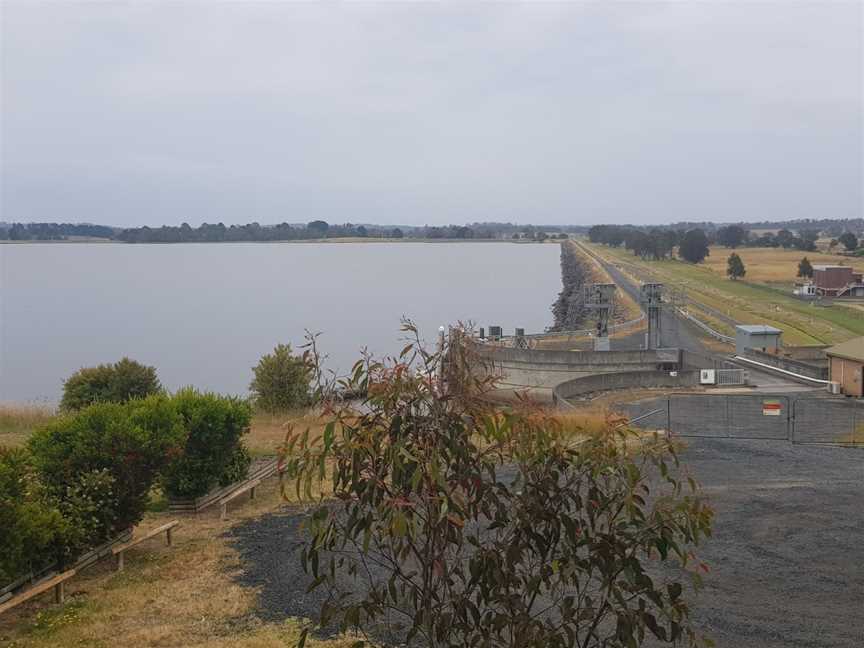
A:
(167, 528)
(250, 487)
(56, 582)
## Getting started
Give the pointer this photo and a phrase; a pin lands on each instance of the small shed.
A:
(846, 366)
(757, 336)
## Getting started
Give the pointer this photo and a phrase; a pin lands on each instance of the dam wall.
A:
(580, 387)
(538, 372)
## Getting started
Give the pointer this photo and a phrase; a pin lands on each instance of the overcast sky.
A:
(151, 113)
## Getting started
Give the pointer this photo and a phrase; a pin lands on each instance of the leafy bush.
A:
(31, 524)
(112, 383)
(281, 382)
(89, 507)
(237, 468)
(491, 528)
(214, 425)
(130, 442)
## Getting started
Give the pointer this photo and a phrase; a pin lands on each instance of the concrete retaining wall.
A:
(539, 371)
(815, 369)
(579, 387)
(807, 353)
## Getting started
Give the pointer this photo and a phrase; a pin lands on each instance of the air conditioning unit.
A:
(707, 377)
(833, 387)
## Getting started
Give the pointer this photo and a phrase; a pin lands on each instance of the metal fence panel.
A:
(758, 417)
(737, 416)
(698, 415)
(828, 420)
(754, 416)
(731, 377)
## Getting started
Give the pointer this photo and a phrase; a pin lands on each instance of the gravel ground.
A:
(787, 555)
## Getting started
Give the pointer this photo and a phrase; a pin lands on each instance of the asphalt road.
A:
(680, 333)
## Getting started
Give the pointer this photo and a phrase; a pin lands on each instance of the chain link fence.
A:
(824, 420)
(753, 416)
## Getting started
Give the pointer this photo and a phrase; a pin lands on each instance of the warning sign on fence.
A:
(771, 408)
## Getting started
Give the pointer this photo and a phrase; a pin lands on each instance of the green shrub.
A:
(131, 442)
(281, 381)
(31, 525)
(89, 507)
(214, 426)
(238, 466)
(112, 383)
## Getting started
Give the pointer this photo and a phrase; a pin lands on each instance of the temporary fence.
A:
(754, 416)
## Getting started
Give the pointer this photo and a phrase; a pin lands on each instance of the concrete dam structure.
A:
(538, 372)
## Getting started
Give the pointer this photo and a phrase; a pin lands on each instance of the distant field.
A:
(747, 301)
(266, 434)
(774, 265)
(17, 422)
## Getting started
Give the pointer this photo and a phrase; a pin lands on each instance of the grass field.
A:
(774, 265)
(17, 422)
(746, 301)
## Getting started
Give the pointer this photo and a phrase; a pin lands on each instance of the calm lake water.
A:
(203, 314)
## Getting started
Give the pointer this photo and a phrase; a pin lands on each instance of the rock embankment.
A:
(569, 310)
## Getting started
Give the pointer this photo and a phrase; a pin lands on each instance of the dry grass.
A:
(267, 432)
(17, 422)
(590, 420)
(856, 437)
(182, 596)
(774, 265)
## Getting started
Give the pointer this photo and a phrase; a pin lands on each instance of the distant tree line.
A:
(319, 229)
(660, 242)
(217, 233)
(654, 243)
(52, 231)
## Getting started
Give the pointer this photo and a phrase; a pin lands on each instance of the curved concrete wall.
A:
(539, 371)
(579, 387)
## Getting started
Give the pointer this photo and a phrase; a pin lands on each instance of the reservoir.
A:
(203, 314)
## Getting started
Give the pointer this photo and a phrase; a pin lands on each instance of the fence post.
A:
(728, 418)
(669, 415)
(790, 419)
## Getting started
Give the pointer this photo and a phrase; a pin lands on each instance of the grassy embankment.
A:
(751, 301)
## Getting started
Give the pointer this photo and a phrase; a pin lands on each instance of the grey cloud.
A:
(154, 113)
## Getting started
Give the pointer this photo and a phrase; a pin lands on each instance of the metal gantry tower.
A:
(600, 298)
(652, 302)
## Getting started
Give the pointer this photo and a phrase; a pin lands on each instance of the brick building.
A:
(846, 366)
(837, 281)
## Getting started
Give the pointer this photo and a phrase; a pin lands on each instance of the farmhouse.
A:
(837, 281)
(847, 366)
